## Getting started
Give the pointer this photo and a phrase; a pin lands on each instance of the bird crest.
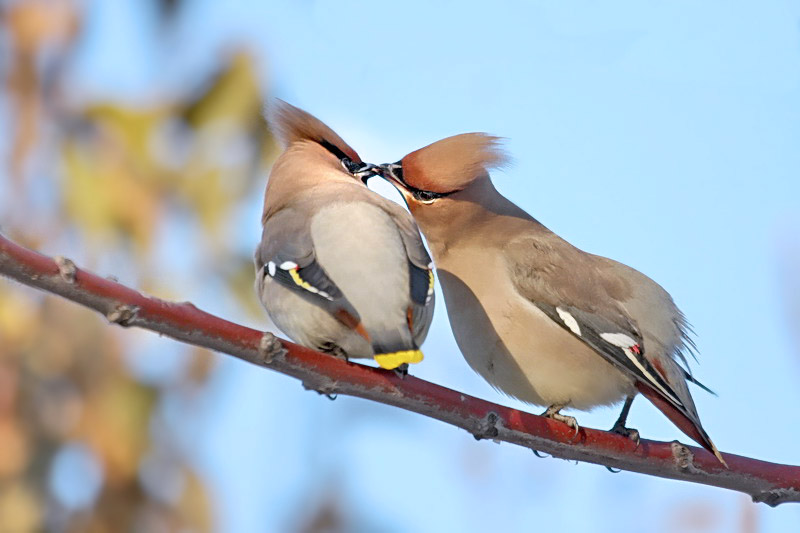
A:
(291, 124)
(453, 163)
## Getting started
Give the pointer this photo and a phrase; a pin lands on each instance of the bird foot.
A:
(553, 412)
(630, 433)
(334, 350)
(402, 371)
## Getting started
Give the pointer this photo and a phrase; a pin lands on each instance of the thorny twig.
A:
(766, 482)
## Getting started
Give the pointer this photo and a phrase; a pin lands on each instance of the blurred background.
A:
(664, 135)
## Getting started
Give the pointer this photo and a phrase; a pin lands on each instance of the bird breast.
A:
(515, 346)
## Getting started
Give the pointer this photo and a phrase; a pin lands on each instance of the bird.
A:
(539, 319)
(339, 268)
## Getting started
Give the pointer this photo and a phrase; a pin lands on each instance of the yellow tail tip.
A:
(392, 360)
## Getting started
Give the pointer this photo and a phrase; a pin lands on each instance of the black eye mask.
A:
(427, 196)
(351, 166)
(418, 194)
(362, 171)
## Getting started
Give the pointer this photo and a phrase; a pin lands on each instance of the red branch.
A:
(765, 482)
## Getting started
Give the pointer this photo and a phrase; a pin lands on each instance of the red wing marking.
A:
(352, 322)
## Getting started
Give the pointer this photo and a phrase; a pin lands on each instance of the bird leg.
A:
(553, 412)
(334, 350)
(402, 371)
(619, 425)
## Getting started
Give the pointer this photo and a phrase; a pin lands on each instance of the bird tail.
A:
(391, 360)
(691, 428)
(393, 349)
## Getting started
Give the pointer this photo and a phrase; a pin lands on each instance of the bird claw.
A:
(630, 433)
(612, 469)
(539, 454)
(334, 350)
(401, 371)
(488, 427)
(553, 413)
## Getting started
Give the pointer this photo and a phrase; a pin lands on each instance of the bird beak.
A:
(365, 171)
(393, 173)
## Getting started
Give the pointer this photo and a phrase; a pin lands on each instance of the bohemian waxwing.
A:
(539, 319)
(339, 268)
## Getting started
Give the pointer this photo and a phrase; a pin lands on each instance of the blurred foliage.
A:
(84, 445)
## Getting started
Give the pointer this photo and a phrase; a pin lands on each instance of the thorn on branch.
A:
(765, 482)
(66, 268)
(324, 387)
(684, 458)
(122, 314)
(487, 428)
(270, 348)
(775, 497)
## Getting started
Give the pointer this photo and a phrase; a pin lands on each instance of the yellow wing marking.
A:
(293, 272)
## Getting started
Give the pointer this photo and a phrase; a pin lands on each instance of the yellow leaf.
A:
(115, 423)
(234, 95)
(18, 319)
(15, 454)
(20, 508)
(106, 199)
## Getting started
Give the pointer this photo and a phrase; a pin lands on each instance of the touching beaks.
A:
(365, 171)
(362, 171)
(392, 172)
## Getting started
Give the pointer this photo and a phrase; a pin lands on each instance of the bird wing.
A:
(286, 254)
(420, 313)
(421, 280)
(577, 293)
(621, 346)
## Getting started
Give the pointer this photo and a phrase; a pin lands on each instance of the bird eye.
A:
(426, 197)
(350, 166)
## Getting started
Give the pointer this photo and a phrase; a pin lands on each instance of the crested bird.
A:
(538, 318)
(339, 268)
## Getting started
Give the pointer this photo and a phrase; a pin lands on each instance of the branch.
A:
(766, 482)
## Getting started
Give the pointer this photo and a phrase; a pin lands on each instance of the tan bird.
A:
(339, 268)
(539, 319)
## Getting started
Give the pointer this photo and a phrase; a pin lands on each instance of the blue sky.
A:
(663, 135)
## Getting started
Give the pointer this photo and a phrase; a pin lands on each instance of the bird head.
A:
(292, 125)
(434, 173)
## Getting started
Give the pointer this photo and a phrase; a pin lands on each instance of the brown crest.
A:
(291, 124)
(453, 163)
